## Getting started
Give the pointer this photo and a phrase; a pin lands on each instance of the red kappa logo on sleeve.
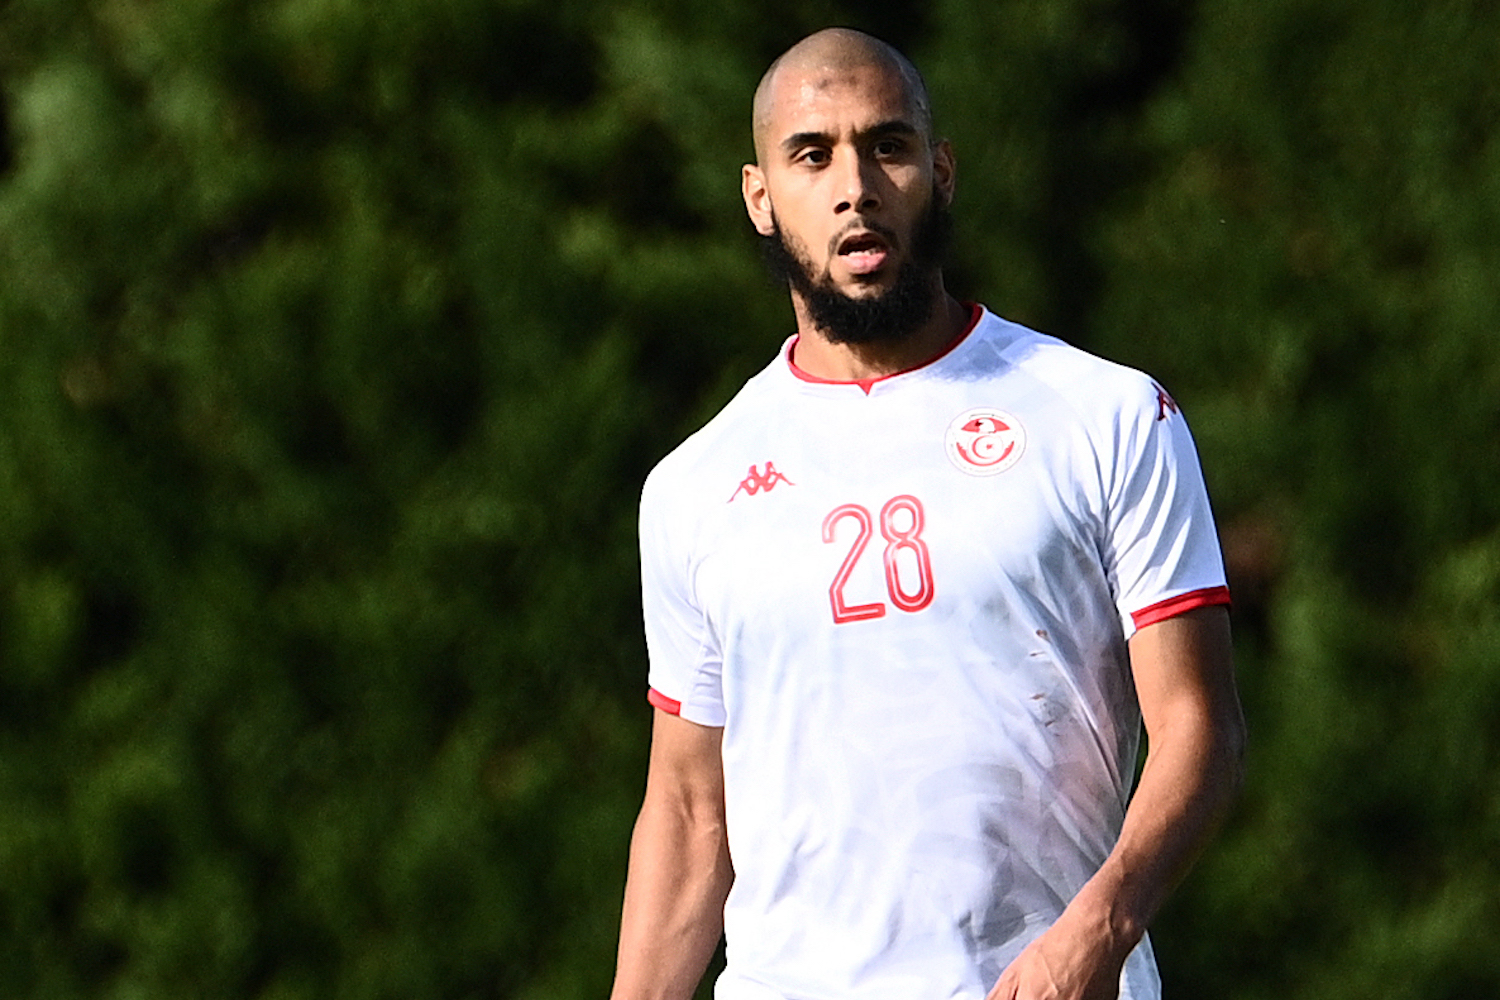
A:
(985, 442)
(1164, 402)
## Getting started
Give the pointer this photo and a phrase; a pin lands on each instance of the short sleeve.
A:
(685, 662)
(1161, 549)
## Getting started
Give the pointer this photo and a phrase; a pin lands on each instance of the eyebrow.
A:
(895, 126)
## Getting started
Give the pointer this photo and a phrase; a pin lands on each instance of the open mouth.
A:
(863, 252)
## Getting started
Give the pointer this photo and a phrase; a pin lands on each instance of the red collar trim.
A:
(975, 312)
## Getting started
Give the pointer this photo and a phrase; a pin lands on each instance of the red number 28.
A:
(898, 540)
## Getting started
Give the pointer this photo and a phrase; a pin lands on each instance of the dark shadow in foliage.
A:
(524, 55)
(902, 23)
(441, 390)
(1087, 174)
(290, 116)
(642, 182)
(288, 944)
(148, 848)
(1478, 976)
(7, 153)
(509, 56)
(152, 461)
(110, 628)
(1157, 32)
(445, 694)
(1391, 827)
(290, 204)
(290, 947)
(1295, 68)
(679, 355)
(96, 958)
(321, 439)
(321, 682)
(638, 182)
(1378, 552)
(782, 23)
(113, 622)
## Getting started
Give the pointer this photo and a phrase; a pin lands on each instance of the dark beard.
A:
(887, 318)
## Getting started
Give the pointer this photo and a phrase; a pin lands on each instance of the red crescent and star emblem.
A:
(985, 441)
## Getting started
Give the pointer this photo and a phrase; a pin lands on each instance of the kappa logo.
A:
(1164, 402)
(985, 441)
(756, 481)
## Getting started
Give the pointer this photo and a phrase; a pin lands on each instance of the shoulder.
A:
(1096, 389)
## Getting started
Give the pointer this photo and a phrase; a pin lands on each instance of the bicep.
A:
(686, 771)
(1184, 675)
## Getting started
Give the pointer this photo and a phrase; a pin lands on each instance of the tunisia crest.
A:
(985, 442)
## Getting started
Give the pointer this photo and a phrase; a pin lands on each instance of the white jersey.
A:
(907, 602)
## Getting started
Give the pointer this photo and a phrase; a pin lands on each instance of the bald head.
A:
(825, 56)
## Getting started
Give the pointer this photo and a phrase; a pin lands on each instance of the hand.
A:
(1066, 963)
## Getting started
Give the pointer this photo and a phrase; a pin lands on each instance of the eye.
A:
(889, 147)
(813, 156)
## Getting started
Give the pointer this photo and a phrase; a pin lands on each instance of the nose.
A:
(857, 186)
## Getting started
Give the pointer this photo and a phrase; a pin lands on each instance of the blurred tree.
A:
(337, 342)
(322, 434)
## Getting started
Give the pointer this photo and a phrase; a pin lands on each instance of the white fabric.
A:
(911, 798)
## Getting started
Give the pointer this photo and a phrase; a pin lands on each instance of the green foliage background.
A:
(336, 338)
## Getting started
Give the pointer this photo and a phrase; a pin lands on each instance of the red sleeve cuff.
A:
(661, 701)
(1174, 606)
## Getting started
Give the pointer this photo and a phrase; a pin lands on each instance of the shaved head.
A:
(822, 57)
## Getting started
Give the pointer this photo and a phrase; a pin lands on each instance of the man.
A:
(908, 599)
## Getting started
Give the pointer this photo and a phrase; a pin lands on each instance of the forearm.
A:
(674, 904)
(1191, 778)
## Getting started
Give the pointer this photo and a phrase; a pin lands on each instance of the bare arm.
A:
(1184, 678)
(679, 867)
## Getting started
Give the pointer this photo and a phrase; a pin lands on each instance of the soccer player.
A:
(908, 600)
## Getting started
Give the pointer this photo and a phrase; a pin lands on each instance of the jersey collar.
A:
(976, 312)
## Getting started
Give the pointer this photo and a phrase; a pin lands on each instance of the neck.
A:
(820, 357)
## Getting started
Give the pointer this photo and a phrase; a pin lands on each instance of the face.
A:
(847, 176)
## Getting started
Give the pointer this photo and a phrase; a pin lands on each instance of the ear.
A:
(943, 168)
(757, 199)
